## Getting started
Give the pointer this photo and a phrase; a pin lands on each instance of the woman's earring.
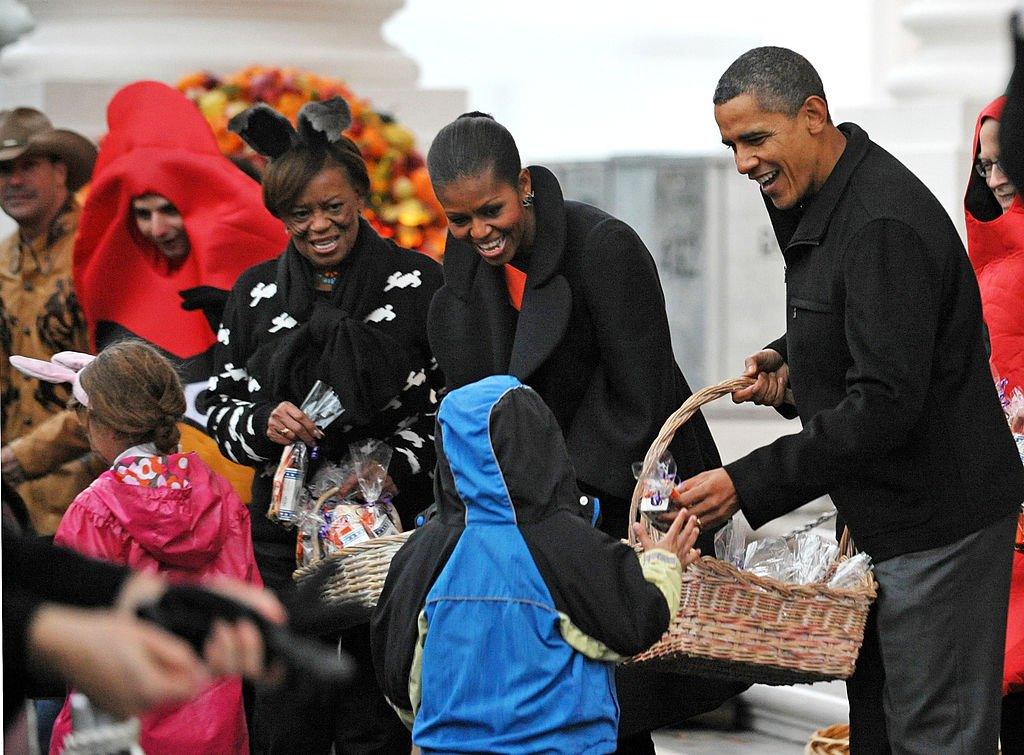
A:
(528, 200)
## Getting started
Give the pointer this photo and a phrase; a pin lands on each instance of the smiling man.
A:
(159, 221)
(884, 353)
(167, 228)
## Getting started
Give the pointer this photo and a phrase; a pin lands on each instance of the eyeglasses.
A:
(984, 167)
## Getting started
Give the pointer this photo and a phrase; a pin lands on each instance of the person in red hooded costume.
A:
(168, 226)
(995, 242)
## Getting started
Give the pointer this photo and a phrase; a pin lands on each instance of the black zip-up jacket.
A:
(887, 359)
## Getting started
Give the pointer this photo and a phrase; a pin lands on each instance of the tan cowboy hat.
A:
(25, 130)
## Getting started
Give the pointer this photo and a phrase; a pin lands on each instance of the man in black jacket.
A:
(885, 354)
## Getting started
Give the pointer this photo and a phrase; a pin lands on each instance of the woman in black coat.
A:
(590, 336)
(566, 298)
(344, 306)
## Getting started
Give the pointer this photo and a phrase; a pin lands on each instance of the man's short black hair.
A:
(779, 79)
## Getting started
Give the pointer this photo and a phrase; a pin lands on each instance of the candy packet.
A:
(731, 541)
(771, 557)
(287, 486)
(657, 488)
(344, 528)
(370, 460)
(322, 406)
(813, 555)
(851, 572)
(376, 520)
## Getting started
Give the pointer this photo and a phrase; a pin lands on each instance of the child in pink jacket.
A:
(160, 511)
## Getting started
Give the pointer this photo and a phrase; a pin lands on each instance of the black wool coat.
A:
(592, 339)
(888, 366)
(367, 340)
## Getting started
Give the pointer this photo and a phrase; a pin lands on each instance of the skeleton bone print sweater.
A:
(366, 339)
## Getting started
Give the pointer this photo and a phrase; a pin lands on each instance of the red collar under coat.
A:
(159, 143)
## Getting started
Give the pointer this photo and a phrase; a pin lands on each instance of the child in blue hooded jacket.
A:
(501, 619)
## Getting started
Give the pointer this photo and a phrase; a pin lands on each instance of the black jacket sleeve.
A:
(892, 289)
(37, 572)
(597, 581)
(394, 629)
(236, 422)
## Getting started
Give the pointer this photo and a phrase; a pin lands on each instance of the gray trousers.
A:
(928, 679)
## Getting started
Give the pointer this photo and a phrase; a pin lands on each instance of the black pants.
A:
(1011, 732)
(304, 717)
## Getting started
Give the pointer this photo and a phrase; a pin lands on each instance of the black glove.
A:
(207, 298)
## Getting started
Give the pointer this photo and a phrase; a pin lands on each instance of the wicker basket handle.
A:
(327, 495)
(668, 431)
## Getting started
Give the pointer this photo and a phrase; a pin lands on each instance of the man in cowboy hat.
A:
(40, 169)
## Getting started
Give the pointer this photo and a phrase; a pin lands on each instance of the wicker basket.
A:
(737, 625)
(354, 575)
(832, 740)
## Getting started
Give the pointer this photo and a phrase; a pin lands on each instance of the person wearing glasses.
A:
(995, 243)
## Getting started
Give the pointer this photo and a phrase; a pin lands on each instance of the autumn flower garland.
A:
(401, 205)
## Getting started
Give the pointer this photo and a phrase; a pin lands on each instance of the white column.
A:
(81, 52)
(15, 20)
(939, 62)
(963, 50)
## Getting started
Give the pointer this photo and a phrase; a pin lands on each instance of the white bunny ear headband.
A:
(64, 367)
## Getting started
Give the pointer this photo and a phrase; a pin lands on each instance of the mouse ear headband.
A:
(64, 367)
(271, 134)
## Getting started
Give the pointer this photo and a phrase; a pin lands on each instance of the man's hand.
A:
(237, 648)
(709, 496)
(232, 647)
(124, 665)
(771, 375)
(679, 539)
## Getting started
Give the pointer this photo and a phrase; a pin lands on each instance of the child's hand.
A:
(679, 539)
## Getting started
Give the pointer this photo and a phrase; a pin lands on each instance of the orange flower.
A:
(402, 203)
(289, 105)
(191, 80)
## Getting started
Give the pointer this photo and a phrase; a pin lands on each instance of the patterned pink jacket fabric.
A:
(172, 515)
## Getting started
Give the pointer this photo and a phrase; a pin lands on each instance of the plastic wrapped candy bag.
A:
(329, 476)
(731, 541)
(287, 486)
(657, 488)
(344, 528)
(370, 461)
(850, 573)
(813, 556)
(322, 406)
(771, 557)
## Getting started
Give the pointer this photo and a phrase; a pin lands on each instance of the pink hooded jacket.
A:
(187, 534)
